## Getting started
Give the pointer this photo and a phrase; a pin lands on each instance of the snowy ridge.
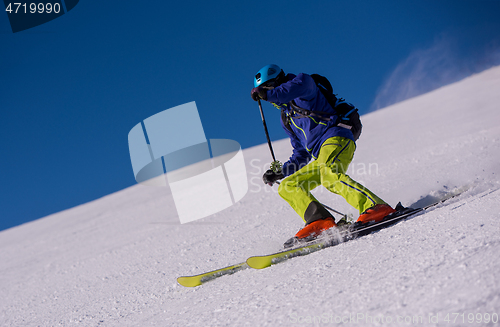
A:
(114, 261)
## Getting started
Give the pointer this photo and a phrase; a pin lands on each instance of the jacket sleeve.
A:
(300, 156)
(299, 159)
(301, 86)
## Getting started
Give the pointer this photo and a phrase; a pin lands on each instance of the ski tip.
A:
(189, 281)
(259, 262)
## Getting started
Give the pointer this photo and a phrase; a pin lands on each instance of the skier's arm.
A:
(299, 158)
(302, 86)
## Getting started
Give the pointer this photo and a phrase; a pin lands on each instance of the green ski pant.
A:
(329, 170)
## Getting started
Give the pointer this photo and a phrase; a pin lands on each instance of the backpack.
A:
(348, 114)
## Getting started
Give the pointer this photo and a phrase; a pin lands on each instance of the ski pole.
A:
(333, 210)
(326, 207)
(276, 164)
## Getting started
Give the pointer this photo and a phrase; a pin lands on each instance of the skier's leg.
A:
(296, 190)
(334, 158)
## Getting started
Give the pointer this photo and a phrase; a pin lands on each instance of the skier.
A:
(330, 145)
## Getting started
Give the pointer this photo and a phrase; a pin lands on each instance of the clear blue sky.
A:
(71, 89)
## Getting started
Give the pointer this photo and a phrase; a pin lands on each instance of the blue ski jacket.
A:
(307, 134)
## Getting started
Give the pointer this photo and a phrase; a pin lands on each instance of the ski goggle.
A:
(271, 84)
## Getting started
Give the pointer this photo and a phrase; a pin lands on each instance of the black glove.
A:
(259, 93)
(270, 177)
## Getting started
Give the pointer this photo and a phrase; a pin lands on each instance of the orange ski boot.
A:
(311, 231)
(375, 213)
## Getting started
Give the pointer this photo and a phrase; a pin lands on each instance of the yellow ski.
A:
(264, 261)
(192, 281)
(347, 233)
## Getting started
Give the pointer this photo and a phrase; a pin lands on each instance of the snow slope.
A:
(114, 261)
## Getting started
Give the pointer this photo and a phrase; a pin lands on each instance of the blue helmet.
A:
(266, 74)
